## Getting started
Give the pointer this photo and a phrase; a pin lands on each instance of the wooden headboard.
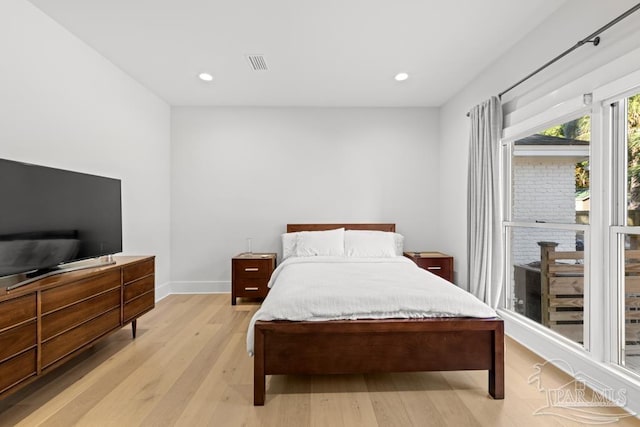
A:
(293, 228)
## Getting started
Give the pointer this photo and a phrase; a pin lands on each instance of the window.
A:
(547, 224)
(625, 117)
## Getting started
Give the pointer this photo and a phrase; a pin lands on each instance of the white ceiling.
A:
(319, 52)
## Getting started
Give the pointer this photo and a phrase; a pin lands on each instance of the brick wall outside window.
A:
(543, 190)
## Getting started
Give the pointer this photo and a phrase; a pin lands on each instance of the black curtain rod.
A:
(591, 38)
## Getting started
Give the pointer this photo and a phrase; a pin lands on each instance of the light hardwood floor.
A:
(188, 367)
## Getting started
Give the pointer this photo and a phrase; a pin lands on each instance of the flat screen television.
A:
(49, 217)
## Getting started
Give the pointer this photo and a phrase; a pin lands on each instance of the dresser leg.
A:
(134, 324)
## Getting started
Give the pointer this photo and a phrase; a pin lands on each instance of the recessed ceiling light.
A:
(401, 77)
(205, 77)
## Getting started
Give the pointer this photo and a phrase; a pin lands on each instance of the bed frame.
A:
(374, 346)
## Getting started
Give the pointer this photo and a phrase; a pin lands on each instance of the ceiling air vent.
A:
(257, 62)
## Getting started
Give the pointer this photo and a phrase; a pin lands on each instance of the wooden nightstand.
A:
(435, 262)
(250, 273)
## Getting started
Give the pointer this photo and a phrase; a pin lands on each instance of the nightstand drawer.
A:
(434, 265)
(251, 288)
(252, 268)
(434, 262)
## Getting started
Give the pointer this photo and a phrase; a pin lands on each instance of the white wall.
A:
(63, 105)
(247, 172)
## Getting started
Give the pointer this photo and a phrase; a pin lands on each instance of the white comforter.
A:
(331, 288)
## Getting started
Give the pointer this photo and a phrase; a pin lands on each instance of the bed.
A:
(362, 346)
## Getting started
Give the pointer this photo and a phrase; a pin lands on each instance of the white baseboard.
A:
(163, 291)
(200, 287)
(204, 287)
(595, 374)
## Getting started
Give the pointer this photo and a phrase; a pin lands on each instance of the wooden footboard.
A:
(372, 346)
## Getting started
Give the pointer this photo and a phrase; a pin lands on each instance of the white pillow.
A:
(399, 238)
(364, 243)
(320, 243)
(289, 241)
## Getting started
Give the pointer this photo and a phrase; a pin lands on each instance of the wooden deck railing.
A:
(562, 283)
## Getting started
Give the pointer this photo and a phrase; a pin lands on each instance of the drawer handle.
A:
(434, 268)
(251, 289)
(252, 269)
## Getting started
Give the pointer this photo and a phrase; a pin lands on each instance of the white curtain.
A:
(484, 245)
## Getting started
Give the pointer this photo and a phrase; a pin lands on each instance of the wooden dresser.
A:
(49, 321)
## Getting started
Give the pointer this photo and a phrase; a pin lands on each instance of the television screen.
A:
(51, 216)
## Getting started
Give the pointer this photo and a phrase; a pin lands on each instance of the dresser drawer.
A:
(15, 311)
(70, 293)
(138, 271)
(139, 305)
(17, 369)
(18, 339)
(70, 341)
(139, 287)
(62, 320)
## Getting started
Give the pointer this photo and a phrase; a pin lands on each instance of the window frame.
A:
(571, 112)
(617, 138)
